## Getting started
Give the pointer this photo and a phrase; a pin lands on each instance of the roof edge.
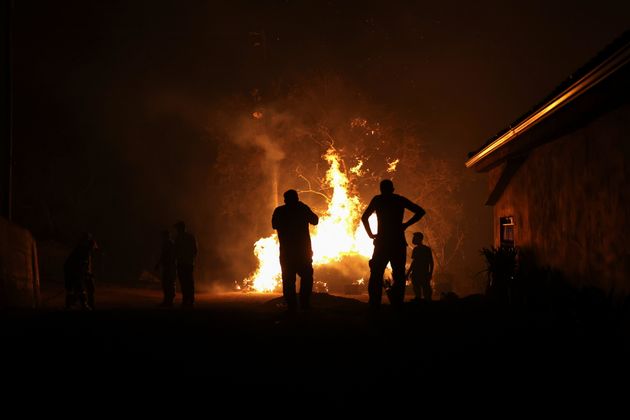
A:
(575, 90)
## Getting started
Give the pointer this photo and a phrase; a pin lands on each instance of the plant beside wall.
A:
(501, 268)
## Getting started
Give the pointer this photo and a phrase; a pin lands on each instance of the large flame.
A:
(338, 234)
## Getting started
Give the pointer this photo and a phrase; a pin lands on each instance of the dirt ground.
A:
(245, 341)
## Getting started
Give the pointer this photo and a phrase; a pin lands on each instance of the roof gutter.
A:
(585, 83)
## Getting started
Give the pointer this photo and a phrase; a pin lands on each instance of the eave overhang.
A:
(591, 79)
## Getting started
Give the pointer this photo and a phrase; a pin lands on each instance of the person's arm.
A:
(414, 259)
(275, 222)
(195, 249)
(311, 217)
(418, 212)
(430, 263)
(366, 219)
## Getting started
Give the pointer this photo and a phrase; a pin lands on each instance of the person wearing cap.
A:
(390, 245)
(185, 255)
(296, 255)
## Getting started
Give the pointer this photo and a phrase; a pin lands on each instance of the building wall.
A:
(19, 275)
(570, 201)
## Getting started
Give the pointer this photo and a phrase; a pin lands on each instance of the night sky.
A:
(125, 111)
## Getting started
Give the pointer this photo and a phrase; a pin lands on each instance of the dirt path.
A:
(244, 338)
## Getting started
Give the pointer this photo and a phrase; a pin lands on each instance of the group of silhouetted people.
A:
(177, 261)
(292, 220)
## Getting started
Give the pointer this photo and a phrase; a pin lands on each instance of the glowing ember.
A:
(391, 166)
(338, 234)
(356, 169)
(358, 122)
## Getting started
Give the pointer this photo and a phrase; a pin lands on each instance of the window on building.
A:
(507, 231)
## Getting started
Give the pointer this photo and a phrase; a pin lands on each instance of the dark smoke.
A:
(132, 115)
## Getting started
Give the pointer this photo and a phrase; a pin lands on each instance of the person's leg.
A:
(417, 288)
(79, 289)
(71, 297)
(168, 286)
(288, 285)
(398, 259)
(184, 273)
(427, 290)
(183, 286)
(89, 289)
(165, 288)
(375, 284)
(191, 286)
(306, 285)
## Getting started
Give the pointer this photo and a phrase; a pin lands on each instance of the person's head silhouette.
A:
(417, 238)
(180, 227)
(87, 240)
(387, 187)
(291, 197)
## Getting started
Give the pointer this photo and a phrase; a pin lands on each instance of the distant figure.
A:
(78, 274)
(421, 268)
(168, 264)
(185, 254)
(296, 255)
(390, 245)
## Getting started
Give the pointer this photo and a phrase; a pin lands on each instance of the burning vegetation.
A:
(338, 235)
(332, 148)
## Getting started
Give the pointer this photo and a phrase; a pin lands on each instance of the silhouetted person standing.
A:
(296, 255)
(185, 254)
(78, 274)
(390, 245)
(168, 264)
(421, 268)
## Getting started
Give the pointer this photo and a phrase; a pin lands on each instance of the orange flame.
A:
(338, 234)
